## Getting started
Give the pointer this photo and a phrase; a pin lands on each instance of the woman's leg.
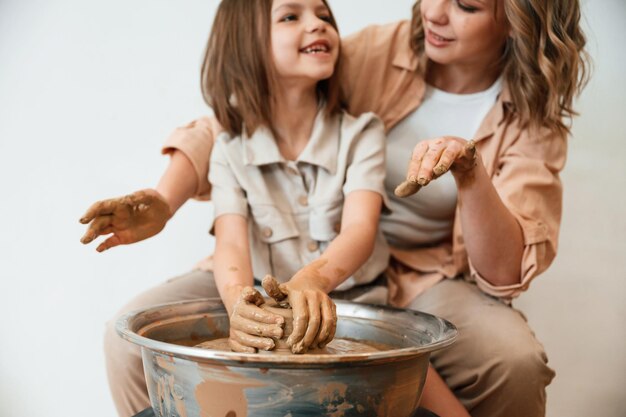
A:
(123, 359)
(496, 367)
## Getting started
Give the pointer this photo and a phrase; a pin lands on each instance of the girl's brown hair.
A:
(238, 76)
(545, 63)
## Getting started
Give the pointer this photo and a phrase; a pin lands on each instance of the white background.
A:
(88, 92)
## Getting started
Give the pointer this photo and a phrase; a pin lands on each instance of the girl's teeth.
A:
(315, 50)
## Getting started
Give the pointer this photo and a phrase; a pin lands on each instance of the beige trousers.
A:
(496, 367)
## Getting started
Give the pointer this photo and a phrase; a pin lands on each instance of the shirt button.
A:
(313, 246)
(268, 232)
(303, 200)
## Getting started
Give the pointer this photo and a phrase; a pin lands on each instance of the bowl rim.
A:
(127, 327)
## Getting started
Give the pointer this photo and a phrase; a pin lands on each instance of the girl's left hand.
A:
(434, 157)
(314, 313)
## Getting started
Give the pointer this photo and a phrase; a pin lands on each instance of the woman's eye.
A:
(289, 18)
(465, 7)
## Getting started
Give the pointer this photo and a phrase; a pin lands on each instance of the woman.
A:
(501, 72)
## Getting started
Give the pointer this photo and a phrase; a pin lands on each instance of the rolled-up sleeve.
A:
(528, 182)
(366, 161)
(195, 141)
(227, 195)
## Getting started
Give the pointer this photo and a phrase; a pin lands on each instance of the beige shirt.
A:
(381, 75)
(294, 208)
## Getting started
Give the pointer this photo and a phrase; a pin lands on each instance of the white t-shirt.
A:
(427, 217)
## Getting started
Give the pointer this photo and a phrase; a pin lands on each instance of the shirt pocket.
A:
(277, 238)
(325, 220)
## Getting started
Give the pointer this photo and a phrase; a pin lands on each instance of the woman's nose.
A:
(436, 11)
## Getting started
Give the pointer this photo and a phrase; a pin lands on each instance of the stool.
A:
(421, 412)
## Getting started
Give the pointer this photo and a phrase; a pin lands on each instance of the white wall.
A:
(88, 92)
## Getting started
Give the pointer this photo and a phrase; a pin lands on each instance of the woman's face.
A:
(465, 32)
(305, 46)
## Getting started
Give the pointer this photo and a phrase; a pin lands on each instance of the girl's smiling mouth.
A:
(318, 47)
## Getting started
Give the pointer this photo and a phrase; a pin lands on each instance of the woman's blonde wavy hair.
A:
(544, 61)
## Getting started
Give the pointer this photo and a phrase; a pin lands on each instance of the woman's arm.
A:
(492, 235)
(144, 213)
(178, 183)
(313, 311)
(251, 327)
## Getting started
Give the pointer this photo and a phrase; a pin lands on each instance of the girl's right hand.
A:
(130, 218)
(251, 327)
(314, 313)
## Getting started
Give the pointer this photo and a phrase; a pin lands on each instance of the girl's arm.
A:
(314, 313)
(251, 327)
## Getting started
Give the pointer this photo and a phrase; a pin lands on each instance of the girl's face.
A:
(305, 46)
(464, 32)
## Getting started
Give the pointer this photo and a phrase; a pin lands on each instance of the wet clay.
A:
(335, 347)
(338, 346)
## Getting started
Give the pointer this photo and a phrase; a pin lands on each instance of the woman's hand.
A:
(251, 327)
(130, 219)
(433, 158)
(314, 313)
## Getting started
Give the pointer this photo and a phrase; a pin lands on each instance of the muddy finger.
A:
(300, 318)
(252, 312)
(96, 228)
(251, 295)
(416, 161)
(312, 329)
(333, 329)
(425, 173)
(255, 328)
(467, 161)
(109, 243)
(235, 346)
(272, 288)
(445, 162)
(328, 322)
(407, 188)
(245, 339)
(100, 208)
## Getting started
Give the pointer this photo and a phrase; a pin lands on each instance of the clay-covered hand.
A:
(314, 313)
(251, 327)
(433, 158)
(130, 218)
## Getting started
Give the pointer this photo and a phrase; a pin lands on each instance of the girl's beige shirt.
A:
(294, 208)
(381, 74)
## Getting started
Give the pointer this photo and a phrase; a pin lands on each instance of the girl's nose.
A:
(315, 24)
(436, 11)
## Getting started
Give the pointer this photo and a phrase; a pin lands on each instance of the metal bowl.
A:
(185, 381)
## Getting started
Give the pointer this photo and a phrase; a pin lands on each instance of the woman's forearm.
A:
(178, 183)
(493, 237)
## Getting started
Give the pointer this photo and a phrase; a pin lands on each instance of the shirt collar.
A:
(498, 114)
(405, 57)
(321, 150)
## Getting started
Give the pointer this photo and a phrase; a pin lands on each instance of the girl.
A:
(503, 73)
(297, 183)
